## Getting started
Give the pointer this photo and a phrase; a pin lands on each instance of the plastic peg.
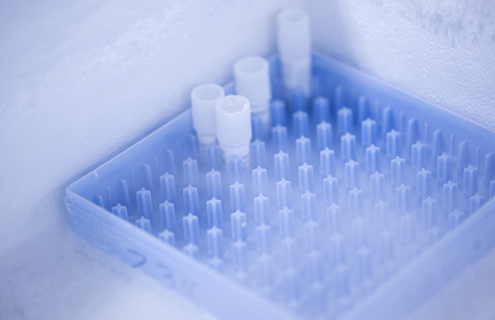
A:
(144, 204)
(331, 190)
(368, 132)
(377, 187)
(306, 177)
(284, 194)
(348, 147)
(303, 151)
(352, 178)
(403, 199)
(386, 246)
(327, 162)
(190, 169)
(321, 109)
(338, 98)
(308, 206)
(167, 216)
(263, 234)
(387, 121)
(282, 169)
(191, 229)
(434, 234)
(144, 224)
(237, 197)
(239, 226)
(286, 222)
(260, 181)
(279, 113)
(240, 257)
(344, 121)
(423, 184)
(430, 212)
(462, 160)
(279, 138)
(359, 232)
(311, 236)
(214, 237)
(412, 132)
(262, 210)
(450, 194)
(298, 101)
(324, 135)
(121, 212)
(337, 249)
(215, 213)
(397, 172)
(258, 154)
(260, 125)
(191, 200)
(373, 159)
(235, 168)
(356, 202)
(455, 219)
(393, 144)
(444, 168)
(334, 219)
(125, 199)
(476, 202)
(147, 176)
(214, 185)
(408, 229)
(470, 184)
(300, 124)
(213, 157)
(289, 252)
(381, 215)
(363, 108)
(437, 149)
(168, 237)
(489, 171)
(418, 156)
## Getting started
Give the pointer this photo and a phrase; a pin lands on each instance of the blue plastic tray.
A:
(355, 245)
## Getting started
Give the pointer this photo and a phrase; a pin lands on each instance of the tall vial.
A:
(233, 118)
(294, 46)
(204, 99)
(252, 80)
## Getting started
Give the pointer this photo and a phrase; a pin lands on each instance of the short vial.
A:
(252, 79)
(294, 46)
(233, 119)
(204, 99)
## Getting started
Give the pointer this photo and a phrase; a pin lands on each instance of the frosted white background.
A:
(81, 81)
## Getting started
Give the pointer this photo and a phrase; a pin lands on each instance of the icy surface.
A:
(81, 81)
(440, 50)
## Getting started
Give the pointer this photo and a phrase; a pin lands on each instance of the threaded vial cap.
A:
(252, 80)
(294, 38)
(204, 99)
(233, 121)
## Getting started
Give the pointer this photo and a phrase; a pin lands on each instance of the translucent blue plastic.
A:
(360, 204)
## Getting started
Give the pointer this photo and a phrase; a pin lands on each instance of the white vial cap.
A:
(233, 121)
(204, 100)
(252, 80)
(294, 37)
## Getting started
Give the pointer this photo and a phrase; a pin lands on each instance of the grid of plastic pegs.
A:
(351, 193)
